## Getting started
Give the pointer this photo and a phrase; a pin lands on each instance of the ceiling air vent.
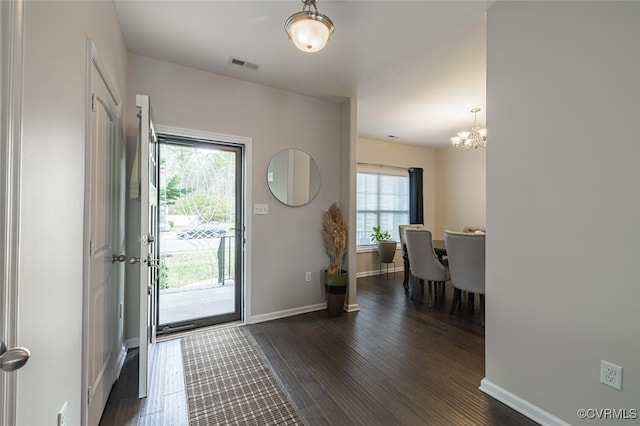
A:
(243, 64)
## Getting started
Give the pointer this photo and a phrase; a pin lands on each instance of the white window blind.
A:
(382, 198)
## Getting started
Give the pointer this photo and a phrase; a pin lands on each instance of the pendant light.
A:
(309, 29)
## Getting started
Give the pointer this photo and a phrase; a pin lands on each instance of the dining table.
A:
(440, 249)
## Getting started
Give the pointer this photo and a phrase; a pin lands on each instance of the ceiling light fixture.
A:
(309, 29)
(471, 139)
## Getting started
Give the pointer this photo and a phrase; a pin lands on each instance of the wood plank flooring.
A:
(167, 401)
(395, 362)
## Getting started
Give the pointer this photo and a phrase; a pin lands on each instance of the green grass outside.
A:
(181, 269)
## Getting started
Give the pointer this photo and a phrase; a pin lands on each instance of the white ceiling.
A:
(416, 67)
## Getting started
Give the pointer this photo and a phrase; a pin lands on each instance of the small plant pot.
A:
(387, 250)
(335, 285)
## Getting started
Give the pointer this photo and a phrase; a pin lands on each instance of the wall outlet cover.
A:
(611, 375)
(62, 415)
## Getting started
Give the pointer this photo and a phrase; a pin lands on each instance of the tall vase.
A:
(335, 286)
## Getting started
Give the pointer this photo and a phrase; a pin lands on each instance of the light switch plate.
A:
(260, 208)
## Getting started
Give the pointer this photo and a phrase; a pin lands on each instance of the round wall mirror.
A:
(293, 177)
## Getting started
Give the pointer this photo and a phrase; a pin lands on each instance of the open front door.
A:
(148, 239)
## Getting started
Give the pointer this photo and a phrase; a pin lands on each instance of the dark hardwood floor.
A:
(167, 401)
(395, 362)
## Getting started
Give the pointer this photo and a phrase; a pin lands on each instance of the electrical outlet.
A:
(611, 375)
(62, 415)
(307, 276)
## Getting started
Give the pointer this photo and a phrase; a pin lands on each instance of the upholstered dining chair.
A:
(424, 264)
(466, 254)
(474, 229)
(405, 256)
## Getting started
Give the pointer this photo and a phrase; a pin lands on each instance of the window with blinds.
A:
(382, 199)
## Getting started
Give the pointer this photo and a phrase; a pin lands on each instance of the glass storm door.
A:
(200, 280)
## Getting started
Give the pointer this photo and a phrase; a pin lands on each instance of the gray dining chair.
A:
(423, 262)
(466, 254)
(474, 229)
(405, 256)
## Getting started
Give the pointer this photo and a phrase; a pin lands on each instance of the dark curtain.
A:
(416, 209)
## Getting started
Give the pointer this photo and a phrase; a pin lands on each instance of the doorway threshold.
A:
(182, 333)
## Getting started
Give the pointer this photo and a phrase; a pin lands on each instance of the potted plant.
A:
(336, 279)
(386, 246)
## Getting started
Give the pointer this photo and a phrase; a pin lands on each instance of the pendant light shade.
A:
(309, 29)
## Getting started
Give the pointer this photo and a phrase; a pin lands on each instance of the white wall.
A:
(287, 242)
(347, 199)
(461, 189)
(51, 237)
(374, 151)
(562, 204)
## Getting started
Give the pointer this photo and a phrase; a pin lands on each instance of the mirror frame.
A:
(282, 181)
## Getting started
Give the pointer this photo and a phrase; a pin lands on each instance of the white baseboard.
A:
(132, 343)
(286, 313)
(352, 308)
(522, 406)
(121, 357)
(297, 311)
(379, 272)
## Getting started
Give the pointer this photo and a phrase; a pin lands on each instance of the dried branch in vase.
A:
(334, 237)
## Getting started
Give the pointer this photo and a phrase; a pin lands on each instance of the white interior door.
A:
(149, 175)
(101, 308)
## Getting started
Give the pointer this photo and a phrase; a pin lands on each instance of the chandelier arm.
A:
(471, 139)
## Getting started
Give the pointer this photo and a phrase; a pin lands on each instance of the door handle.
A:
(118, 258)
(14, 358)
(152, 262)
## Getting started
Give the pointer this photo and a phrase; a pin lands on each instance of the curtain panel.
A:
(416, 206)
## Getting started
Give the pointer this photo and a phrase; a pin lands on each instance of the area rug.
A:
(228, 383)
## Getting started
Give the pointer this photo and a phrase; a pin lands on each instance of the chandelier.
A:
(309, 29)
(471, 139)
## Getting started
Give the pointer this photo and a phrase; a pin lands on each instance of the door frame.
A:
(246, 143)
(205, 319)
(11, 74)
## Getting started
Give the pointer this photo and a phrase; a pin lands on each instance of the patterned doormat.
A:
(228, 383)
